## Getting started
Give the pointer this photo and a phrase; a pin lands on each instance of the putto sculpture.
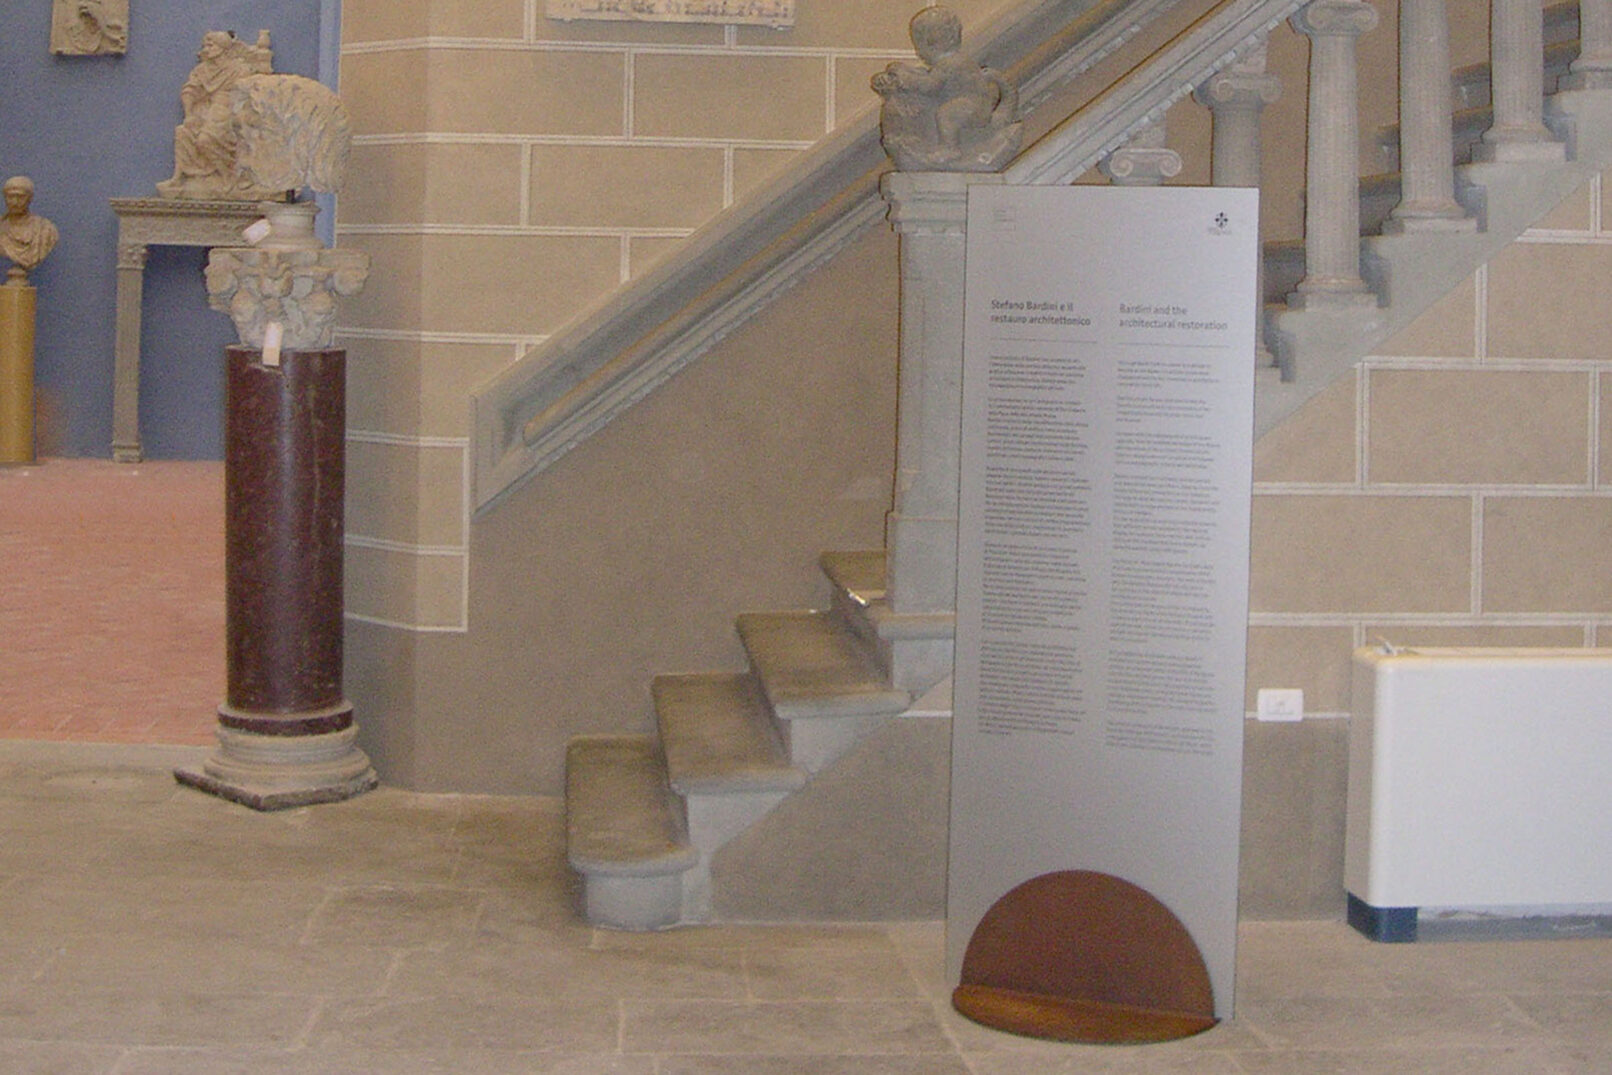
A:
(946, 113)
(204, 144)
(26, 238)
(290, 132)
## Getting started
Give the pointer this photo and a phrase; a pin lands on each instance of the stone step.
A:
(717, 735)
(624, 832)
(823, 685)
(914, 650)
(859, 573)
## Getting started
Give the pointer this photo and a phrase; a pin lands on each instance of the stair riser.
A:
(714, 819)
(917, 664)
(815, 742)
(633, 903)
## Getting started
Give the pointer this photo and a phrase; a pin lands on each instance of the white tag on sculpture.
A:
(257, 231)
(779, 14)
(272, 334)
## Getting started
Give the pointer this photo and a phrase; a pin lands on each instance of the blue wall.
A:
(88, 129)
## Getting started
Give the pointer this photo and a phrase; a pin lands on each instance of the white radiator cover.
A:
(1480, 778)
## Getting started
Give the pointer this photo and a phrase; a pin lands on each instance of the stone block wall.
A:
(1456, 490)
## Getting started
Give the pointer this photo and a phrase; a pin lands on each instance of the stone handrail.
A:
(1145, 93)
(634, 339)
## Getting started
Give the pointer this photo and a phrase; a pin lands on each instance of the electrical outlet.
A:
(1286, 703)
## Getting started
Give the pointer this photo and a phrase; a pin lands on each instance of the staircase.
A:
(776, 769)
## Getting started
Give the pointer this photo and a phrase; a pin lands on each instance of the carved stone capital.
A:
(297, 288)
(1335, 18)
(132, 256)
(1144, 161)
(930, 203)
(1243, 84)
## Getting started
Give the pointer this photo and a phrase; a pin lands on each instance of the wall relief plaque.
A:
(778, 14)
(90, 27)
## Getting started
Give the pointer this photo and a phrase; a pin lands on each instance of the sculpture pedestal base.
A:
(285, 732)
(275, 772)
(16, 374)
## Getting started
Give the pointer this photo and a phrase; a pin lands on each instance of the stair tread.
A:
(715, 731)
(859, 572)
(618, 819)
(811, 664)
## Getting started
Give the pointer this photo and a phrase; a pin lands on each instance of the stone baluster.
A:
(1332, 208)
(1235, 97)
(1426, 148)
(1143, 161)
(1593, 68)
(1517, 58)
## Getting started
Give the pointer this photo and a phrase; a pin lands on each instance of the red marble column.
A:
(286, 733)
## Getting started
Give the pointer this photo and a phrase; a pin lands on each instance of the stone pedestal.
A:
(286, 733)
(17, 374)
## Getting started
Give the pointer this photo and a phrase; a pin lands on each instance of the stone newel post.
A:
(929, 211)
(947, 122)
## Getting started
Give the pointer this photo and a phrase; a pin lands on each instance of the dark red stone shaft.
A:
(285, 456)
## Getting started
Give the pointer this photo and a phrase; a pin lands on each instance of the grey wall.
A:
(92, 128)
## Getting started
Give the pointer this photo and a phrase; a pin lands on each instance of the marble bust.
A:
(205, 143)
(290, 132)
(25, 237)
(946, 113)
(90, 28)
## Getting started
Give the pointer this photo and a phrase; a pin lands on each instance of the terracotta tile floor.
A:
(111, 601)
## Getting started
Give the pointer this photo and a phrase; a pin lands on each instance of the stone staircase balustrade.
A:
(733, 747)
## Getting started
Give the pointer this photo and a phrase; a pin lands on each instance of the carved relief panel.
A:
(90, 27)
(778, 14)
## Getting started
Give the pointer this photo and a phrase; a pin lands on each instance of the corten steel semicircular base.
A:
(1082, 956)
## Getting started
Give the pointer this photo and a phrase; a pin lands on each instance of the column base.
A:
(1343, 298)
(1442, 221)
(277, 772)
(1592, 78)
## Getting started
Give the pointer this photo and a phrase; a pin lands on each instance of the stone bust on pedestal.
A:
(25, 237)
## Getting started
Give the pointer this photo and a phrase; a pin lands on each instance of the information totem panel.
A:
(1102, 600)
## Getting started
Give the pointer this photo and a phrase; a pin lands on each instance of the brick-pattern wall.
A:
(1455, 490)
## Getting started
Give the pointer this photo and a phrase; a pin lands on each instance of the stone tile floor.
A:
(152, 930)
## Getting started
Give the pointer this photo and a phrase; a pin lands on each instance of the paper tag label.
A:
(257, 231)
(272, 334)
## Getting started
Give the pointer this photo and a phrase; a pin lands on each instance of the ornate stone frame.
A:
(778, 14)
